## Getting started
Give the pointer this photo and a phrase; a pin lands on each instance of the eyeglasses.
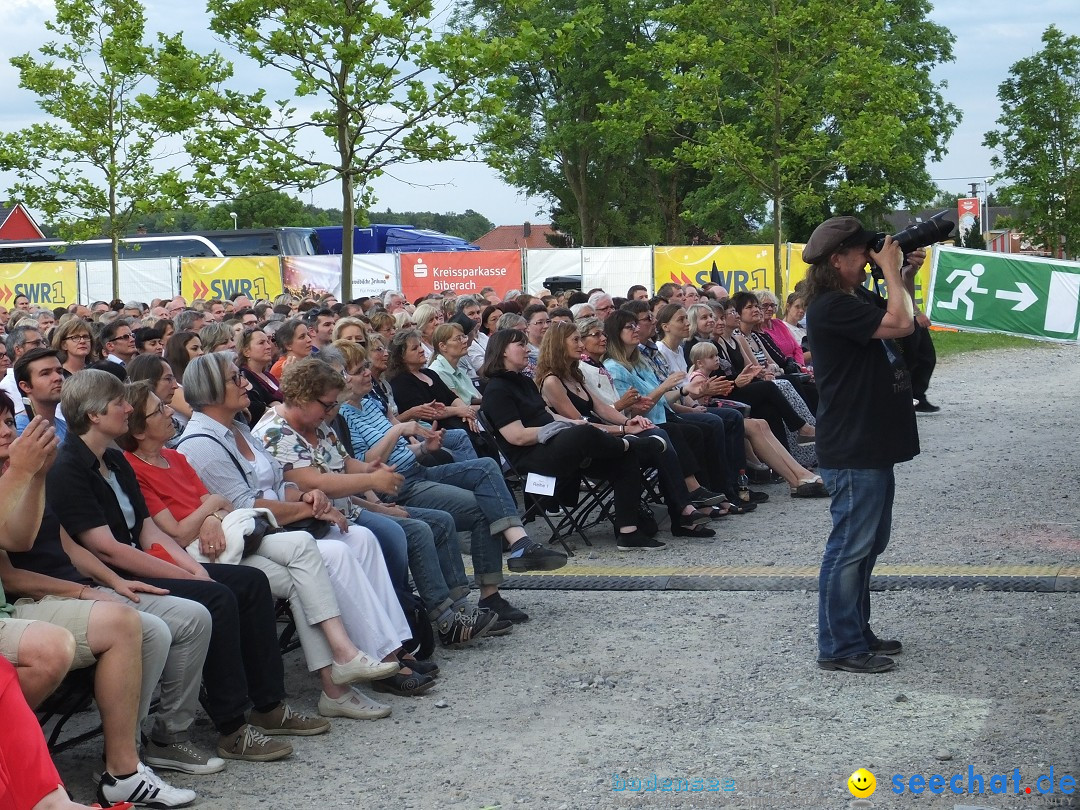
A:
(768, 306)
(646, 319)
(544, 322)
(78, 338)
(345, 375)
(158, 411)
(593, 335)
(34, 344)
(633, 326)
(327, 408)
(128, 336)
(238, 379)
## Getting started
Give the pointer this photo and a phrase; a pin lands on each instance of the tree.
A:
(807, 105)
(973, 237)
(109, 152)
(551, 137)
(374, 78)
(1039, 142)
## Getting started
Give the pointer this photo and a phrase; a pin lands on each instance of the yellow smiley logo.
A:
(862, 784)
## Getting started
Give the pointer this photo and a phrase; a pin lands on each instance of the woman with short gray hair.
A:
(233, 463)
(94, 492)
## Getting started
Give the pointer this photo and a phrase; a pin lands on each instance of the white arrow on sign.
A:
(1024, 299)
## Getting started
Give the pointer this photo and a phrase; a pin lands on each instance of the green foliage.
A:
(973, 237)
(655, 120)
(952, 344)
(116, 113)
(374, 78)
(1039, 142)
(813, 107)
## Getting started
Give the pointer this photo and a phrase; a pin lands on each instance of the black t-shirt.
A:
(510, 397)
(48, 556)
(83, 499)
(865, 416)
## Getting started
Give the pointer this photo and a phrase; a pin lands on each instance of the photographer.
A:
(866, 424)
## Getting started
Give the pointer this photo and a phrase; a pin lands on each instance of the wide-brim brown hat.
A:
(834, 234)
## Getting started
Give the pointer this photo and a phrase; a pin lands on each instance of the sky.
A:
(990, 37)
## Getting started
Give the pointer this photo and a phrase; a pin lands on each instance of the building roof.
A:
(513, 237)
(16, 223)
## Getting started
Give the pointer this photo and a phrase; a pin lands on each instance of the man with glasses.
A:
(602, 305)
(22, 339)
(40, 378)
(118, 342)
(176, 306)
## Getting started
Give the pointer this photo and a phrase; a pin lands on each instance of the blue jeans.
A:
(392, 542)
(459, 445)
(475, 494)
(862, 518)
(424, 543)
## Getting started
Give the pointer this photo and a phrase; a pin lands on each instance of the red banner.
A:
(967, 211)
(460, 272)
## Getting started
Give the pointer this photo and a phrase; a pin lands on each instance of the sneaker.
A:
(361, 668)
(498, 627)
(181, 756)
(249, 744)
(144, 788)
(636, 541)
(535, 557)
(354, 704)
(862, 663)
(507, 612)
(465, 628)
(283, 720)
(703, 497)
(924, 406)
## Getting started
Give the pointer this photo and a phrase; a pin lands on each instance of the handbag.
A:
(314, 526)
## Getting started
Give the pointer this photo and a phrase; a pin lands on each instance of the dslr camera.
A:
(916, 236)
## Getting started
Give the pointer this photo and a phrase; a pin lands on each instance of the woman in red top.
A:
(295, 342)
(182, 507)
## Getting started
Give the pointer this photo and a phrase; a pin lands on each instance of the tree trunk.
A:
(348, 212)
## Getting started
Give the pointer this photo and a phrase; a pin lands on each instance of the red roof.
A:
(16, 223)
(512, 237)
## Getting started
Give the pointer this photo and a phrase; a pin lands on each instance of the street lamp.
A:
(233, 215)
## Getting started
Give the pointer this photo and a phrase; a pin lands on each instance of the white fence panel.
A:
(374, 273)
(616, 269)
(140, 280)
(542, 264)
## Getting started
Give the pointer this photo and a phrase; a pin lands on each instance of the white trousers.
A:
(343, 574)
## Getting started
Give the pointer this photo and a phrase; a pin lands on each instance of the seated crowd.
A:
(172, 470)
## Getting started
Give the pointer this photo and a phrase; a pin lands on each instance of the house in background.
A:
(514, 237)
(17, 224)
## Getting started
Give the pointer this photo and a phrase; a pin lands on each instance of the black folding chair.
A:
(593, 506)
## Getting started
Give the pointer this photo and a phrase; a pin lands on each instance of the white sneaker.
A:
(353, 704)
(362, 668)
(144, 788)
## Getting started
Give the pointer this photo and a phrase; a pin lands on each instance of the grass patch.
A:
(950, 344)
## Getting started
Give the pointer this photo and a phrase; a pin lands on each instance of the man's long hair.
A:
(821, 278)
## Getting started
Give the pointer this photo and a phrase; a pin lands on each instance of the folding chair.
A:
(596, 498)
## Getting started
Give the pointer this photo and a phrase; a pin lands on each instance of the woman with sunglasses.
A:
(700, 448)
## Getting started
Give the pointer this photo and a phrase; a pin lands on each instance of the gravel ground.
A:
(603, 687)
